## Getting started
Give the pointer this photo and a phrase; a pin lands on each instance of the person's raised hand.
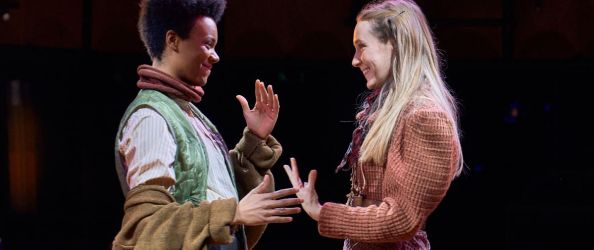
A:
(262, 118)
(307, 190)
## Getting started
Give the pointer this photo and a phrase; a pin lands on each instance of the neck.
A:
(157, 78)
(165, 68)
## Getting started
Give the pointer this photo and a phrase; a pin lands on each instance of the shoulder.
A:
(145, 117)
(426, 116)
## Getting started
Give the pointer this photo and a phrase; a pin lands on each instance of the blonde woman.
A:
(406, 148)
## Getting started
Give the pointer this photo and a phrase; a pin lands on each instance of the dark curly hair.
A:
(159, 16)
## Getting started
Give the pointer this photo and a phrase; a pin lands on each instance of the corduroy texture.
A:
(153, 220)
(421, 164)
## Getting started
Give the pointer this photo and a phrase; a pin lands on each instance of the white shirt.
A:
(148, 149)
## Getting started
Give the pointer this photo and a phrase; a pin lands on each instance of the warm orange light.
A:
(22, 152)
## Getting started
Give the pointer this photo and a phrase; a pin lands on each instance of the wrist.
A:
(317, 212)
(314, 212)
(260, 136)
(237, 218)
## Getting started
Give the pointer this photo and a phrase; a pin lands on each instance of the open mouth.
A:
(365, 71)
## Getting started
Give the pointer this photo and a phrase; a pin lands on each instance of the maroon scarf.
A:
(152, 78)
(363, 123)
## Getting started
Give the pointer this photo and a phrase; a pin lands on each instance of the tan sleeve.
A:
(418, 174)
(153, 220)
(253, 158)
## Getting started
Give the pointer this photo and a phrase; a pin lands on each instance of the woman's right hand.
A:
(307, 190)
(259, 207)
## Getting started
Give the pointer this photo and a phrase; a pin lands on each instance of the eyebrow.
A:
(211, 39)
(358, 42)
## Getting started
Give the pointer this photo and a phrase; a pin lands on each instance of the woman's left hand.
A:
(261, 119)
(307, 191)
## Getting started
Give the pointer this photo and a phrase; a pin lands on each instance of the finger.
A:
(292, 177)
(288, 202)
(285, 211)
(257, 92)
(243, 102)
(311, 179)
(296, 171)
(279, 219)
(270, 96)
(276, 104)
(263, 186)
(263, 95)
(282, 193)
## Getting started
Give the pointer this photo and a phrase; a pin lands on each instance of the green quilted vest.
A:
(190, 165)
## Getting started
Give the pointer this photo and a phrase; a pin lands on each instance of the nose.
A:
(356, 60)
(214, 57)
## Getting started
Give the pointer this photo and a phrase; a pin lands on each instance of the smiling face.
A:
(372, 56)
(196, 54)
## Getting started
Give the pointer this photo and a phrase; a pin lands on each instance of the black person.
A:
(406, 150)
(172, 162)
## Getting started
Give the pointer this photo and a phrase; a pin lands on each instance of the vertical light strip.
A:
(22, 158)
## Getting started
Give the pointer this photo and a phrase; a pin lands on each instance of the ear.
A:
(172, 40)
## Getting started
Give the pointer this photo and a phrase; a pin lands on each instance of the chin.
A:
(201, 81)
(371, 85)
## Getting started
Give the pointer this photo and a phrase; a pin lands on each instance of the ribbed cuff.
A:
(330, 218)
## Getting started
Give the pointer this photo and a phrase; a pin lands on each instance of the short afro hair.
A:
(159, 16)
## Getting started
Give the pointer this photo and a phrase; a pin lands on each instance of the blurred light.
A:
(479, 168)
(15, 93)
(6, 17)
(514, 113)
(22, 150)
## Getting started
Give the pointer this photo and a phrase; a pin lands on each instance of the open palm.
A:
(262, 118)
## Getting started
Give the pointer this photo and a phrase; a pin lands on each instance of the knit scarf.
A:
(363, 123)
(152, 78)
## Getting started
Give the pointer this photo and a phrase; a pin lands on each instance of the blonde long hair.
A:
(415, 66)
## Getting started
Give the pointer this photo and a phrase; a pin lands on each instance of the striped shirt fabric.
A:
(148, 150)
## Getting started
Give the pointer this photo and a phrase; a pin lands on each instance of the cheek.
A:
(386, 62)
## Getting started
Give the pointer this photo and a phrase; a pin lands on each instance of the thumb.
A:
(243, 102)
(263, 185)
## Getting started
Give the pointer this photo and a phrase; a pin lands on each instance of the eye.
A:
(209, 45)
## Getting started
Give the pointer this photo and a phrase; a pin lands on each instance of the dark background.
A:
(522, 71)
